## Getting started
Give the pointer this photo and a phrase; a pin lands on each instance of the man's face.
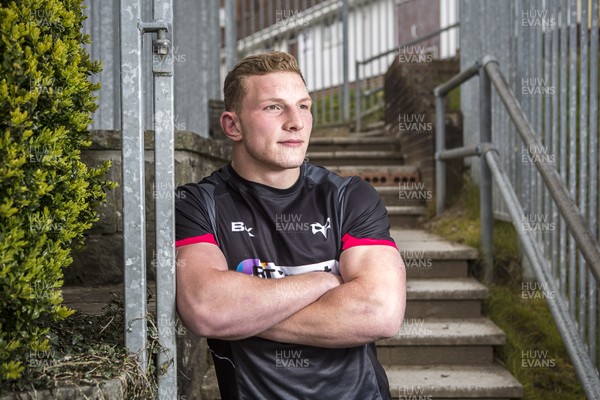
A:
(275, 120)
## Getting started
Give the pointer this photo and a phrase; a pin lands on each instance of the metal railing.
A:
(489, 74)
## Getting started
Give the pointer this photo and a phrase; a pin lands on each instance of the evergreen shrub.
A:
(48, 197)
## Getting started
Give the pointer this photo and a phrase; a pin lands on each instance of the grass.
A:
(534, 352)
(86, 349)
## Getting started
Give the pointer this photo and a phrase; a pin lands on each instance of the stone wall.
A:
(101, 260)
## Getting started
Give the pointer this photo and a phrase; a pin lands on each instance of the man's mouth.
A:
(292, 142)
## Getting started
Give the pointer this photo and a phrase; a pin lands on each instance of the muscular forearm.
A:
(235, 305)
(349, 315)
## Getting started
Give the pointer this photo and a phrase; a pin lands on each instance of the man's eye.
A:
(304, 107)
(273, 107)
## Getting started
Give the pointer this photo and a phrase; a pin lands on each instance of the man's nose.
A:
(293, 121)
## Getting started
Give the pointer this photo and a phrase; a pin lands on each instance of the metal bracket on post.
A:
(162, 46)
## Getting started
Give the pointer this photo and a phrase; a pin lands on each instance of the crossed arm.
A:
(317, 308)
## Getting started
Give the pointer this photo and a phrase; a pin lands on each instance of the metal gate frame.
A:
(132, 29)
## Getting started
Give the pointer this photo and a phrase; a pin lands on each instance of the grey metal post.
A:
(134, 212)
(230, 34)
(357, 97)
(485, 180)
(583, 140)
(440, 133)
(440, 145)
(593, 177)
(214, 46)
(164, 190)
(345, 64)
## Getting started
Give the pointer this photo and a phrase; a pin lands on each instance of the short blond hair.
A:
(258, 64)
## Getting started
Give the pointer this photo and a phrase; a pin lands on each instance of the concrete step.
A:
(91, 300)
(432, 245)
(435, 341)
(353, 143)
(404, 194)
(429, 256)
(444, 298)
(455, 382)
(353, 158)
(434, 382)
(405, 216)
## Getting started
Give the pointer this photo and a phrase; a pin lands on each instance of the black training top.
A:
(272, 233)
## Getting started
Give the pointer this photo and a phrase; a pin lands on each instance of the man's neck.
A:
(278, 179)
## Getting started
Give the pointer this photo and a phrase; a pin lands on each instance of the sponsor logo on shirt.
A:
(269, 270)
(241, 227)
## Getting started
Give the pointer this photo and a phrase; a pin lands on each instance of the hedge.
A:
(48, 197)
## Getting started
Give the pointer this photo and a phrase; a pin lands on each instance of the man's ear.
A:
(230, 123)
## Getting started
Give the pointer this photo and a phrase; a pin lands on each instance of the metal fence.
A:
(490, 161)
(325, 37)
(329, 38)
(548, 50)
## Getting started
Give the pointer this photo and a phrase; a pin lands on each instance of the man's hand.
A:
(215, 302)
(367, 307)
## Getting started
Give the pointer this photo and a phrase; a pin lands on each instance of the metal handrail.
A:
(358, 63)
(489, 73)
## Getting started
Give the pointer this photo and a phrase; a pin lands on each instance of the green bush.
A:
(48, 197)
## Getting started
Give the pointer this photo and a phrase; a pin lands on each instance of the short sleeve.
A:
(365, 220)
(192, 217)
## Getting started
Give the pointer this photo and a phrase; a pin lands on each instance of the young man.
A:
(288, 269)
